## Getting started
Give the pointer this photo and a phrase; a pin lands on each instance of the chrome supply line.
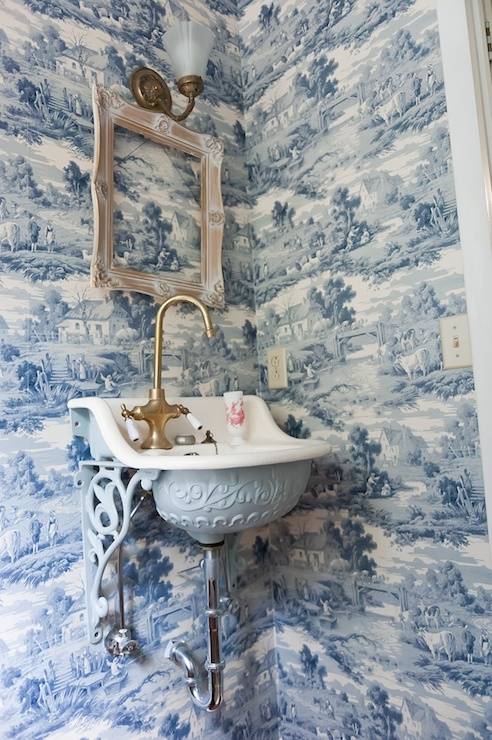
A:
(118, 641)
(205, 679)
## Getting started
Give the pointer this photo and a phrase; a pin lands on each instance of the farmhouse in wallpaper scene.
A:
(366, 610)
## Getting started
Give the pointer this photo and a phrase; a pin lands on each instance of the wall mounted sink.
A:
(207, 490)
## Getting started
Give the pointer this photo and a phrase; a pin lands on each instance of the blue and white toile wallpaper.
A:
(366, 612)
(58, 339)
(381, 577)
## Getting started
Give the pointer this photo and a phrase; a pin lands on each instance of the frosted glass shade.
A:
(188, 45)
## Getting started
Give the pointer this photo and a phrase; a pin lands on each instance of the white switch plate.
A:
(277, 368)
(455, 342)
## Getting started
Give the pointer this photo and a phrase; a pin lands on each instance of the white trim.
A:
(469, 96)
(476, 11)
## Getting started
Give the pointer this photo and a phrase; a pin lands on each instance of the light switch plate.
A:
(455, 342)
(277, 368)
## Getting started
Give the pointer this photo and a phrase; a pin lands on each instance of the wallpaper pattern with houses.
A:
(366, 612)
(381, 576)
(60, 339)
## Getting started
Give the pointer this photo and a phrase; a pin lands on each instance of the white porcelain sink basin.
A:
(206, 489)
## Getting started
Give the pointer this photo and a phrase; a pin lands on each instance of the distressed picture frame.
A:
(111, 111)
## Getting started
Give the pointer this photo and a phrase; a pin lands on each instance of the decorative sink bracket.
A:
(104, 525)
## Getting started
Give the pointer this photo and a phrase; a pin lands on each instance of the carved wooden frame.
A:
(109, 110)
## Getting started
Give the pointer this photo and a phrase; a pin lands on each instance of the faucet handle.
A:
(195, 423)
(131, 427)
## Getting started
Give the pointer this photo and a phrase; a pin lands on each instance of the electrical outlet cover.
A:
(277, 368)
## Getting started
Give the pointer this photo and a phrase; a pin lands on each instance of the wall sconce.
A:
(188, 45)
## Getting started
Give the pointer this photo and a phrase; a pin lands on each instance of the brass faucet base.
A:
(156, 412)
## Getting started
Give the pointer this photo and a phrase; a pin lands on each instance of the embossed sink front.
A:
(206, 489)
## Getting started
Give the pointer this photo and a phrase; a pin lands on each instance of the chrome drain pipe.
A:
(205, 679)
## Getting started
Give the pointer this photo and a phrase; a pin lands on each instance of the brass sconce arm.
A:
(152, 92)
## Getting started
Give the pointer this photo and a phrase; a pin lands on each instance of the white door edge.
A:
(469, 103)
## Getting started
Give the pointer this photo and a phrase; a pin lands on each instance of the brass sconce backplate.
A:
(151, 91)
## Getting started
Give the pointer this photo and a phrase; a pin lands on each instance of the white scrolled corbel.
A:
(104, 526)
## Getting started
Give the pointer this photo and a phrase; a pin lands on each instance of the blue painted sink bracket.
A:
(105, 522)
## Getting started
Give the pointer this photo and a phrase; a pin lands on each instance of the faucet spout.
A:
(159, 339)
(157, 411)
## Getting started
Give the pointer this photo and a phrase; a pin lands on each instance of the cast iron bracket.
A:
(106, 508)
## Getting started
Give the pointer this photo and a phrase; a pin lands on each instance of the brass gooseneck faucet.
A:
(157, 411)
